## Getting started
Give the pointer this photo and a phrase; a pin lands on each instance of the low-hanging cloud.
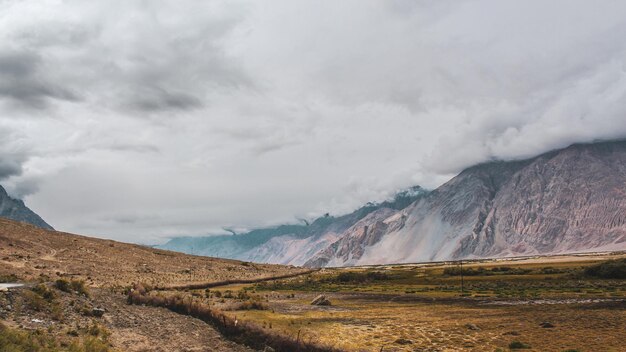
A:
(143, 120)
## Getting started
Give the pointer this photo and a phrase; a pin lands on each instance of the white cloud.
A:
(140, 120)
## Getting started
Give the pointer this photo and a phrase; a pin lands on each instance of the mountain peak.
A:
(15, 209)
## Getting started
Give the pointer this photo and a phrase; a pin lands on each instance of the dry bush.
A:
(77, 286)
(246, 333)
(250, 304)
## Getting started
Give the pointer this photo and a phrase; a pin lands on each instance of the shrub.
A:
(551, 270)
(499, 270)
(62, 285)
(14, 340)
(611, 269)
(456, 271)
(516, 345)
(248, 305)
(92, 344)
(243, 295)
(97, 330)
(34, 301)
(56, 312)
(44, 292)
(359, 277)
(77, 286)
(8, 278)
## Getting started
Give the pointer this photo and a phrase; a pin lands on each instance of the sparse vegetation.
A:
(246, 333)
(506, 292)
(480, 271)
(73, 286)
(13, 340)
(247, 305)
(517, 345)
(360, 277)
(8, 278)
(611, 269)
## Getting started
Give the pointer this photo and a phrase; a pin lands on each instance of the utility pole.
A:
(462, 283)
(461, 264)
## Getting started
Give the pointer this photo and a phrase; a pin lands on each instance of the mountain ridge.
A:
(566, 200)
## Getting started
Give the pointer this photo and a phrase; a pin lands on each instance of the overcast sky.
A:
(140, 120)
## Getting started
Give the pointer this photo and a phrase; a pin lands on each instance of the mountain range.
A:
(15, 209)
(563, 201)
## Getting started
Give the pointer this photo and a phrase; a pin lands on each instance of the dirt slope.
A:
(30, 252)
(36, 255)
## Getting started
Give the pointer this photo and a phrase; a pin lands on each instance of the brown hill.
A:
(65, 317)
(30, 252)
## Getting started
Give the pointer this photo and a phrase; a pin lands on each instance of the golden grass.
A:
(419, 304)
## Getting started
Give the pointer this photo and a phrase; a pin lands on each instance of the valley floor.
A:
(548, 305)
(77, 291)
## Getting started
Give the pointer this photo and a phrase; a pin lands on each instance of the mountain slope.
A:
(31, 253)
(15, 209)
(288, 244)
(571, 200)
(568, 200)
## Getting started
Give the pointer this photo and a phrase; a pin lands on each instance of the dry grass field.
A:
(535, 304)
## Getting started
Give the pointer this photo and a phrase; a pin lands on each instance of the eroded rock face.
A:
(352, 242)
(570, 200)
(566, 201)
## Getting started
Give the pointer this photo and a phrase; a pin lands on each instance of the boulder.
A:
(320, 300)
(97, 312)
(472, 327)
(402, 341)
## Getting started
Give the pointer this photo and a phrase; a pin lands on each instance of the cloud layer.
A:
(141, 120)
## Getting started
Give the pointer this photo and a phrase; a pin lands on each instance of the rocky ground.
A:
(41, 258)
(138, 328)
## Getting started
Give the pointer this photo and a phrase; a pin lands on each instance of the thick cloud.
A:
(142, 120)
(21, 81)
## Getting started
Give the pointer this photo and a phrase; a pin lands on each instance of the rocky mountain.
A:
(289, 244)
(569, 200)
(15, 209)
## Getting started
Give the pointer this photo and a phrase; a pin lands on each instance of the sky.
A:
(143, 120)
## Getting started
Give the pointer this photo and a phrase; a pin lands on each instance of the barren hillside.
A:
(44, 260)
(30, 252)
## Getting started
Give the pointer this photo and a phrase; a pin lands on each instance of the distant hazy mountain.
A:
(570, 200)
(288, 244)
(15, 209)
